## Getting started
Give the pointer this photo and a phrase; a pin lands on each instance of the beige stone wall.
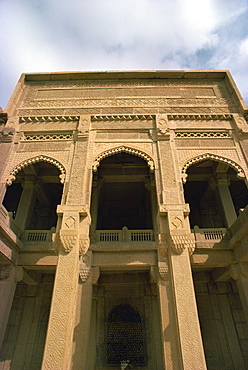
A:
(171, 120)
(25, 335)
(223, 325)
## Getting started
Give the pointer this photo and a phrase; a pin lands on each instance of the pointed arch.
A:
(132, 151)
(214, 157)
(39, 158)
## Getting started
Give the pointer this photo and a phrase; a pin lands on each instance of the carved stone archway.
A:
(29, 161)
(214, 157)
(132, 151)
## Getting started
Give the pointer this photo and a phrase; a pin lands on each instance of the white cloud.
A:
(45, 35)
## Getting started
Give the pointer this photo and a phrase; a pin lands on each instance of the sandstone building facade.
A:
(124, 222)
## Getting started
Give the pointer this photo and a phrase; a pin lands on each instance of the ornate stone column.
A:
(26, 204)
(71, 241)
(83, 319)
(9, 276)
(179, 244)
(239, 272)
(221, 185)
(169, 331)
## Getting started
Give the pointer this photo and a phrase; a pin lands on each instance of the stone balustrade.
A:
(124, 235)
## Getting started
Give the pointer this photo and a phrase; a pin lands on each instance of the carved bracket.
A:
(68, 239)
(180, 242)
(85, 267)
(163, 269)
(84, 243)
(7, 135)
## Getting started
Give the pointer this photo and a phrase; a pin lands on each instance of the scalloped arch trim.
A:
(214, 157)
(39, 158)
(125, 149)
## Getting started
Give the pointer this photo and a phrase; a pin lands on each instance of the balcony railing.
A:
(124, 235)
(207, 237)
(35, 236)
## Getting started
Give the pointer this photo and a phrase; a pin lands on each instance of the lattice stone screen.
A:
(125, 337)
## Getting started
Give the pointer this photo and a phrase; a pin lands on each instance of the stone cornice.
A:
(200, 117)
(43, 119)
(122, 117)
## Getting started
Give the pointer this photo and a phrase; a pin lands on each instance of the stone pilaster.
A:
(59, 341)
(221, 185)
(179, 244)
(9, 276)
(26, 204)
(83, 314)
(239, 272)
(169, 333)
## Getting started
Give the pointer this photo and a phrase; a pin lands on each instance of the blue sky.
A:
(86, 35)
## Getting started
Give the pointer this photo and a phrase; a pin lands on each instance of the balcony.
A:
(211, 237)
(124, 235)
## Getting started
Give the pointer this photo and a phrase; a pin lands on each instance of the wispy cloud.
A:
(45, 35)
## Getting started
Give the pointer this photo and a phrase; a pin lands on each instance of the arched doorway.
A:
(32, 198)
(215, 194)
(125, 336)
(123, 194)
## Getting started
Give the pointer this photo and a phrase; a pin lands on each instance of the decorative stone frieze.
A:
(202, 134)
(48, 137)
(200, 117)
(122, 117)
(46, 119)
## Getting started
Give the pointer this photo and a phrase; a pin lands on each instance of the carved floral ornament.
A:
(214, 157)
(39, 158)
(120, 149)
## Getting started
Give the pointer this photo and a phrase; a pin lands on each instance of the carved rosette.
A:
(180, 242)
(163, 127)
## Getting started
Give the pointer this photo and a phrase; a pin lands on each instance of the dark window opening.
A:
(44, 196)
(123, 193)
(206, 208)
(12, 198)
